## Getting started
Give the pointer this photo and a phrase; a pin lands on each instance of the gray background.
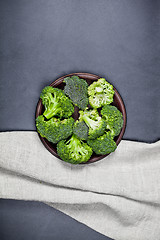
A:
(41, 40)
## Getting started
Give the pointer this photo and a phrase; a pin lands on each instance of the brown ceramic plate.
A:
(118, 102)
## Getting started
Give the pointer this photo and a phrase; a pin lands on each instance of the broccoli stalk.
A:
(74, 143)
(53, 106)
(56, 103)
(74, 150)
(95, 123)
(92, 124)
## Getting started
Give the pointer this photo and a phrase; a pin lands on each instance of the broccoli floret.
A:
(56, 103)
(74, 150)
(80, 129)
(114, 119)
(103, 144)
(95, 123)
(100, 93)
(77, 89)
(54, 129)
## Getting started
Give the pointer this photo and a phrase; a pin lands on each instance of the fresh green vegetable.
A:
(100, 93)
(54, 129)
(95, 123)
(92, 132)
(77, 89)
(74, 150)
(103, 144)
(80, 129)
(56, 103)
(114, 119)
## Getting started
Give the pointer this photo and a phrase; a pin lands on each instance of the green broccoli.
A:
(74, 150)
(100, 93)
(54, 129)
(80, 129)
(103, 144)
(114, 119)
(96, 124)
(77, 89)
(56, 103)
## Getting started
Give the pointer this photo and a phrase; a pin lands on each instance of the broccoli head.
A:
(77, 89)
(114, 119)
(74, 150)
(56, 103)
(103, 144)
(54, 129)
(100, 93)
(80, 129)
(96, 124)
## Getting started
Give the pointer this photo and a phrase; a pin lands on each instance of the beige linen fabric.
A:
(118, 196)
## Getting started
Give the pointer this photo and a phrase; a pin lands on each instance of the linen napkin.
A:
(118, 196)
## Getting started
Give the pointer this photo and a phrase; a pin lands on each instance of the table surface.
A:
(43, 40)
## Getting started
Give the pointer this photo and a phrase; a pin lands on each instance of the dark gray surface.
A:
(43, 40)
(37, 221)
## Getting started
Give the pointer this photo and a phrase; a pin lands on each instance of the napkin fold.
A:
(118, 196)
